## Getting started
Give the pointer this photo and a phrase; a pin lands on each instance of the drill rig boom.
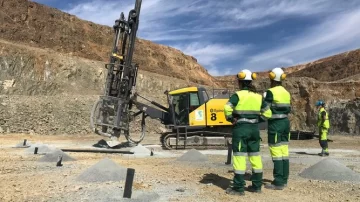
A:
(111, 113)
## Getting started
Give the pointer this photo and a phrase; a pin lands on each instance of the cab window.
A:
(194, 101)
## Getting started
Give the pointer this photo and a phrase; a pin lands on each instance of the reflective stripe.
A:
(240, 154)
(239, 172)
(230, 105)
(279, 144)
(257, 170)
(280, 105)
(265, 109)
(277, 158)
(246, 112)
(254, 153)
(264, 117)
(248, 120)
(285, 158)
(279, 116)
(275, 145)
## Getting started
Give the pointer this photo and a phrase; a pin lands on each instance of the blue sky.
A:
(229, 35)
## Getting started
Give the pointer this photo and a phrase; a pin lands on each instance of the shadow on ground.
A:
(216, 180)
(224, 182)
(304, 153)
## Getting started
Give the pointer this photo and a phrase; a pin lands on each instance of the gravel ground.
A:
(161, 178)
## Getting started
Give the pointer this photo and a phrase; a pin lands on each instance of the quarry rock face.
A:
(49, 93)
(341, 97)
(40, 26)
(49, 80)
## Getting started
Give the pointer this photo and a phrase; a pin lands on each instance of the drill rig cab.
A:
(197, 120)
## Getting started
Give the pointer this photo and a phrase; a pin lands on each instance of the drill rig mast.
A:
(191, 118)
(111, 114)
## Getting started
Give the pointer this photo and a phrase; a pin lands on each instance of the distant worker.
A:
(245, 109)
(278, 99)
(323, 125)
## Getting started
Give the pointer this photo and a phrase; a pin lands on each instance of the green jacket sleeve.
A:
(265, 111)
(269, 97)
(229, 107)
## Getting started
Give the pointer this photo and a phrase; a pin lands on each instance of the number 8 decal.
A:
(213, 116)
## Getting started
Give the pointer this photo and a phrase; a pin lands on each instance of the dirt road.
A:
(160, 177)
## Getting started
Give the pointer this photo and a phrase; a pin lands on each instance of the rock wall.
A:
(45, 92)
(333, 68)
(341, 99)
(37, 25)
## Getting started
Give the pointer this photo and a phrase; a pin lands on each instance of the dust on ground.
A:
(161, 177)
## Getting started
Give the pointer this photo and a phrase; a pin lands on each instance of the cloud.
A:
(198, 28)
(210, 55)
(337, 33)
(204, 16)
(219, 72)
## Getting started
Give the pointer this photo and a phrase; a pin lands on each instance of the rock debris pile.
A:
(140, 150)
(42, 149)
(193, 156)
(330, 170)
(21, 144)
(104, 170)
(53, 156)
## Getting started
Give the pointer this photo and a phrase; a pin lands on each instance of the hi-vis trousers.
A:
(278, 140)
(246, 142)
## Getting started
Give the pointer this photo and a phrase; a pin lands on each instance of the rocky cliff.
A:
(334, 68)
(333, 79)
(47, 92)
(52, 71)
(40, 26)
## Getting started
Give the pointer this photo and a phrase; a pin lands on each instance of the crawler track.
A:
(165, 141)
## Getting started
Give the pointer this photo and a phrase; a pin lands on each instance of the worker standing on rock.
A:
(323, 125)
(278, 99)
(245, 109)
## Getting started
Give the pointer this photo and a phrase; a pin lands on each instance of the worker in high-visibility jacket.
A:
(245, 109)
(323, 125)
(278, 99)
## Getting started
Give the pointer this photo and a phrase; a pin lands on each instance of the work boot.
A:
(274, 187)
(253, 189)
(322, 154)
(234, 192)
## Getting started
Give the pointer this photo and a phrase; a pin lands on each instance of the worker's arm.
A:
(268, 98)
(229, 108)
(323, 117)
(265, 111)
(265, 107)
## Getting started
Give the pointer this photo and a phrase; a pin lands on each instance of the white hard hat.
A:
(277, 74)
(246, 75)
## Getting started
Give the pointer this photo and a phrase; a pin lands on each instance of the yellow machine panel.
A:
(183, 90)
(215, 115)
(198, 116)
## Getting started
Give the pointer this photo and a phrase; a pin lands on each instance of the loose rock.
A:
(194, 156)
(330, 170)
(104, 170)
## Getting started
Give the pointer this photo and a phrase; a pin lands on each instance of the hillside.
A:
(40, 26)
(52, 71)
(333, 79)
(331, 68)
